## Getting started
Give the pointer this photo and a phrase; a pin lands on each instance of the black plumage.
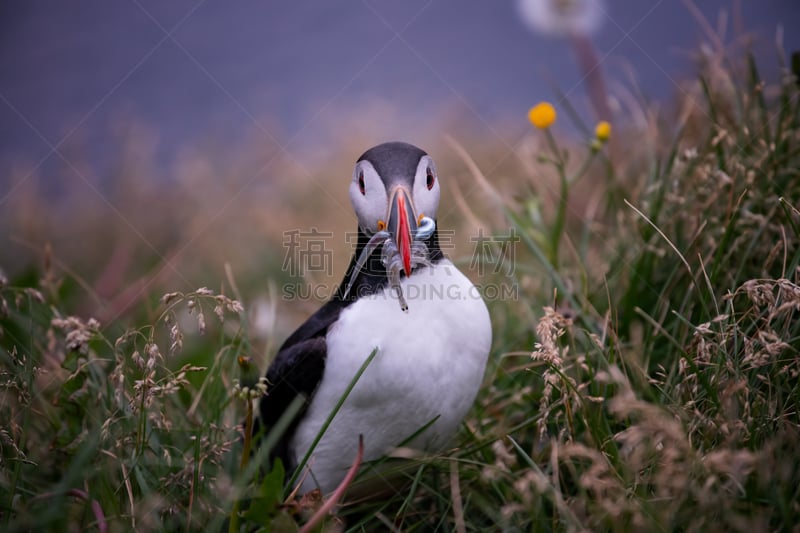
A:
(393, 161)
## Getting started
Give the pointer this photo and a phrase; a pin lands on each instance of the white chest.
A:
(429, 365)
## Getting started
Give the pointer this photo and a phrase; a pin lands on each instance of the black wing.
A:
(296, 370)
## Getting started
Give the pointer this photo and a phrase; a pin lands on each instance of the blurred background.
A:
(144, 144)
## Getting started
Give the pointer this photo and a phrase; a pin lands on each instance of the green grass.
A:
(647, 376)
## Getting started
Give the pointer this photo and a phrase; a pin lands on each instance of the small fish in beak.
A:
(401, 242)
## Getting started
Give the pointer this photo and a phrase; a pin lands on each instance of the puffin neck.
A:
(373, 277)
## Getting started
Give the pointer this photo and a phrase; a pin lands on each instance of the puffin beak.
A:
(402, 224)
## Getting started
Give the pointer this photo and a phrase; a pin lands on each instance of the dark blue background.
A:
(294, 75)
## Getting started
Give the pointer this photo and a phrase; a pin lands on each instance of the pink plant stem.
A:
(339, 492)
(592, 74)
(99, 516)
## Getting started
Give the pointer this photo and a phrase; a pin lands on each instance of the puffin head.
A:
(394, 186)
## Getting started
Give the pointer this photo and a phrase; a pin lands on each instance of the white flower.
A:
(562, 17)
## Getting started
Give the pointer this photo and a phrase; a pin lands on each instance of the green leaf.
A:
(71, 360)
(262, 508)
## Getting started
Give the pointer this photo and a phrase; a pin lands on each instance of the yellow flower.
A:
(542, 115)
(602, 131)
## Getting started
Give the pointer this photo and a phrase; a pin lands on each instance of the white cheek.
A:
(370, 206)
(426, 201)
(429, 201)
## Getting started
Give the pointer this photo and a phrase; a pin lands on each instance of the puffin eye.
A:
(431, 179)
(361, 186)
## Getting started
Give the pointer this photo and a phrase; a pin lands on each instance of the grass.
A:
(645, 377)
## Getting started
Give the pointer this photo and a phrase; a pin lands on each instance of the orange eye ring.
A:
(381, 225)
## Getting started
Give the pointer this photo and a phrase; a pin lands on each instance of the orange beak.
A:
(402, 225)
